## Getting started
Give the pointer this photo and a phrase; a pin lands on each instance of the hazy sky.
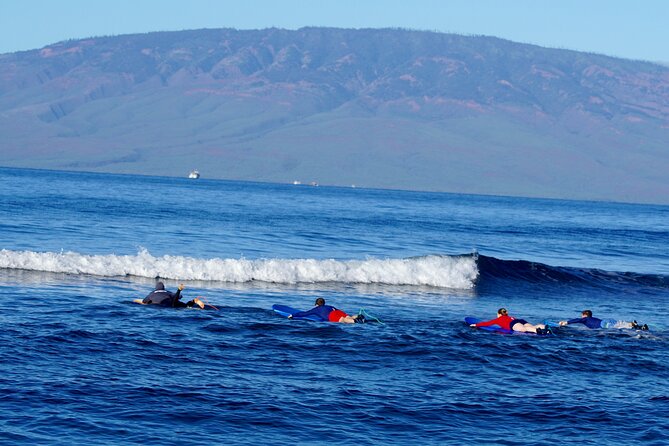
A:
(625, 28)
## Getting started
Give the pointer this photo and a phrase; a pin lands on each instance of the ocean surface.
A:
(81, 364)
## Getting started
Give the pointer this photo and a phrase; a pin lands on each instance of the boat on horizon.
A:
(194, 174)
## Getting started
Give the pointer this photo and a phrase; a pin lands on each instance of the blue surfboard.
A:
(285, 310)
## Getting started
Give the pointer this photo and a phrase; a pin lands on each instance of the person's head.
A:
(320, 301)
(502, 312)
(586, 313)
(160, 286)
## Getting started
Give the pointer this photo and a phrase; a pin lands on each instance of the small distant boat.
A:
(297, 183)
(194, 175)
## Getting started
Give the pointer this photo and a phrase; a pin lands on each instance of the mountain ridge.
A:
(379, 108)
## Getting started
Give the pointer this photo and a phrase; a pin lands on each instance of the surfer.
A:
(593, 322)
(512, 324)
(161, 296)
(329, 313)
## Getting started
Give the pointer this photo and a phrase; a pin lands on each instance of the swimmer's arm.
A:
(177, 295)
(314, 310)
(580, 320)
(487, 323)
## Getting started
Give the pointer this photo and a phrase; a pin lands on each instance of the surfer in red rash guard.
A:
(512, 324)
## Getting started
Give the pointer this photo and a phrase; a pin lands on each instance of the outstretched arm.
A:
(319, 311)
(488, 323)
(306, 313)
(177, 295)
(580, 320)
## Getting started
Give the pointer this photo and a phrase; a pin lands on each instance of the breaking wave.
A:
(457, 272)
(443, 271)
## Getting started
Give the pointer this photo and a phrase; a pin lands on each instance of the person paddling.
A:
(328, 313)
(512, 324)
(161, 296)
(593, 322)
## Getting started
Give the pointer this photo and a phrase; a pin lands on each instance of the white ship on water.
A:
(194, 174)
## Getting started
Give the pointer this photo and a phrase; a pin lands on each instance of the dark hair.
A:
(160, 286)
(320, 301)
(503, 312)
(588, 313)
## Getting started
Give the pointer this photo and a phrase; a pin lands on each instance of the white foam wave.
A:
(439, 271)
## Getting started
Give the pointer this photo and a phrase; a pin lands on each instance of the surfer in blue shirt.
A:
(585, 319)
(161, 296)
(328, 313)
(592, 322)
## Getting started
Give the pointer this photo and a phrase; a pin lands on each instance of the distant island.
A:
(383, 108)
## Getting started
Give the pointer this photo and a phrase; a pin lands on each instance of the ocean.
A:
(84, 365)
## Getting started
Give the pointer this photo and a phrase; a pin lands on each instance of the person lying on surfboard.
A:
(593, 322)
(329, 313)
(510, 323)
(160, 296)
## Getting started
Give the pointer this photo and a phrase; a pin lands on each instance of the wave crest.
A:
(458, 272)
(493, 270)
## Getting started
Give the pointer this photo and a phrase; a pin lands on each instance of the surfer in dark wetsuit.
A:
(592, 322)
(160, 296)
(329, 313)
(512, 324)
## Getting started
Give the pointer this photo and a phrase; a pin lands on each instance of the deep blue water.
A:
(82, 364)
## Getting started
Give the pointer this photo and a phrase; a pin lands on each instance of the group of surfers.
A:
(326, 313)
(503, 320)
(163, 297)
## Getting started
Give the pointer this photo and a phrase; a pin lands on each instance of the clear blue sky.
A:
(624, 28)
